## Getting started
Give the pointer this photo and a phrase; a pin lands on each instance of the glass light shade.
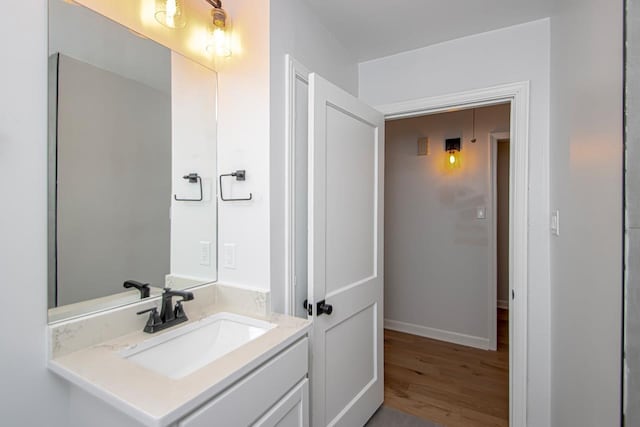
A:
(453, 159)
(171, 13)
(219, 41)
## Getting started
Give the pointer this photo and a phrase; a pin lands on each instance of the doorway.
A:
(517, 95)
(446, 265)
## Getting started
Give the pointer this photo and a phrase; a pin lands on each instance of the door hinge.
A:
(513, 294)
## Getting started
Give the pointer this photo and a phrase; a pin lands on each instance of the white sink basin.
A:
(186, 349)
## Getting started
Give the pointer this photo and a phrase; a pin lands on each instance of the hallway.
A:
(449, 384)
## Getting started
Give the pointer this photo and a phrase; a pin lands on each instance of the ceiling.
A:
(376, 28)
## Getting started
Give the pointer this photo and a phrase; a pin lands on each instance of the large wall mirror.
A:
(132, 166)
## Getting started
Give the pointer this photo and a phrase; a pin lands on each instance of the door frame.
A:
(494, 137)
(517, 94)
(294, 70)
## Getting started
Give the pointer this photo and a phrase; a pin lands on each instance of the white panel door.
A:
(346, 155)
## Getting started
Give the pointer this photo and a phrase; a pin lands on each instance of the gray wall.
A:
(114, 182)
(30, 396)
(632, 315)
(586, 186)
(436, 250)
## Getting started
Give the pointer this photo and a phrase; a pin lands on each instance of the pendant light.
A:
(473, 140)
(452, 147)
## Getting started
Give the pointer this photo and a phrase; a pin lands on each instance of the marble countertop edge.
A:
(109, 398)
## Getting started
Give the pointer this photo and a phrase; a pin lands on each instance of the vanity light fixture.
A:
(171, 13)
(452, 147)
(219, 38)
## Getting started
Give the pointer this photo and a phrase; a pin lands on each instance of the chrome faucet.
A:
(169, 314)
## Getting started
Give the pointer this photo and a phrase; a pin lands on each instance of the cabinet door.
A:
(291, 411)
(249, 398)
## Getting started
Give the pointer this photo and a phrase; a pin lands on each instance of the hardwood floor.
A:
(449, 384)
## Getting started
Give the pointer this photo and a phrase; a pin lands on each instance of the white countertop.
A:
(156, 400)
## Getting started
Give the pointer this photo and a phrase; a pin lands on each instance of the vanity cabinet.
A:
(275, 394)
(291, 411)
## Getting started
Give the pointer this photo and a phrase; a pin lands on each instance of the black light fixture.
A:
(452, 146)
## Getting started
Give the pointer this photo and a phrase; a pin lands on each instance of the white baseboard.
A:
(437, 334)
(503, 303)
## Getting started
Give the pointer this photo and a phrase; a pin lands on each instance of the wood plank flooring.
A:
(449, 384)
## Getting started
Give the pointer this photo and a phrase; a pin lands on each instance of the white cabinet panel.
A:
(291, 411)
(248, 399)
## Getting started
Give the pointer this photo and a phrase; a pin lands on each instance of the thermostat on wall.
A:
(423, 146)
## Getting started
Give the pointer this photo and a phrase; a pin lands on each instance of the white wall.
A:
(243, 143)
(586, 166)
(138, 15)
(436, 250)
(508, 55)
(30, 394)
(194, 145)
(107, 45)
(296, 30)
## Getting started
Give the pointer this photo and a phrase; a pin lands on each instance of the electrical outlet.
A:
(205, 253)
(229, 256)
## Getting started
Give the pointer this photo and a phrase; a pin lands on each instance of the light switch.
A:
(481, 212)
(555, 223)
(229, 256)
(205, 253)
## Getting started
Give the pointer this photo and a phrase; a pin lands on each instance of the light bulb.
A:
(452, 158)
(219, 42)
(170, 13)
(172, 9)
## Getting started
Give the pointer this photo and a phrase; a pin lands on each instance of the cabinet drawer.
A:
(291, 411)
(252, 396)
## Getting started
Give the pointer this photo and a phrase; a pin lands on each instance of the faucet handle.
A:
(179, 311)
(154, 319)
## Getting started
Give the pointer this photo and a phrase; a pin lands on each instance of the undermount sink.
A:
(186, 349)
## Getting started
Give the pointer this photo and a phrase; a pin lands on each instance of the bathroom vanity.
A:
(220, 368)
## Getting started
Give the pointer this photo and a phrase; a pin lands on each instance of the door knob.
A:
(324, 308)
